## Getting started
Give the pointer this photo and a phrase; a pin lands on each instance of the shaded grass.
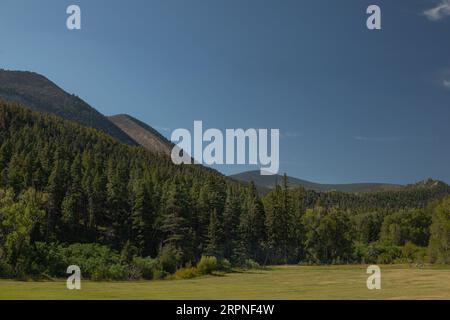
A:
(280, 282)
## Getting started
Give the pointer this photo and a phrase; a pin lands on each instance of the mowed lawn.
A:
(285, 282)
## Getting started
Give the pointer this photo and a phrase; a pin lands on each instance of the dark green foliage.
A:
(284, 209)
(170, 259)
(440, 233)
(112, 206)
(412, 196)
(252, 227)
(149, 268)
(328, 237)
(406, 225)
(215, 237)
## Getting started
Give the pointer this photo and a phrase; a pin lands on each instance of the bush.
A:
(99, 274)
(251, 264)
(118, 272)
(40, 260)
(94, 261)
(389, 254)
(6, 271)
(376, 253)
(207, 265)
(128, 253)
(168, 259)
(225, 265)
(186, 273)
(412, 253)
(148, 267)
(159, 274)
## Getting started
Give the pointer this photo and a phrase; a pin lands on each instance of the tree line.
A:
(72, 194)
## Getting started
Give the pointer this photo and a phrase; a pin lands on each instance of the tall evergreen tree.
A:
(252, 226)
(215, 237)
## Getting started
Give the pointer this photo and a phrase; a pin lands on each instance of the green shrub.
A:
(186, 273)
(94, 260)
(159, 274)
(412, 253)
(251, 264)
(6, 271)
(225, 265)
(118, 272)
(207, 265)
(45, 259)
(99, 274)
(168, 257)
(371, 254)
(127, 253)
(148, 267)
(389, 254)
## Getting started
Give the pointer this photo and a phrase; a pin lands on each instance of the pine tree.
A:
(231, 216)
(56, 190)
(178, 233)
(252, 226)
(141, 204)
(117, 201)
(215, 237)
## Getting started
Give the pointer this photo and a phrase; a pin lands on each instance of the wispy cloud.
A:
(446, 83)
(291, 134)
(442, 78)
(378, 139)
(438, 12)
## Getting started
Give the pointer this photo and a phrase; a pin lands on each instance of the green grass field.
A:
(285, 282)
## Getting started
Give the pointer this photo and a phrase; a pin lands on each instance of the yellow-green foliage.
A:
(207, 265)
(186, 273)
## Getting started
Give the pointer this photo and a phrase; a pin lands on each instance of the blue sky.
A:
(352, 105)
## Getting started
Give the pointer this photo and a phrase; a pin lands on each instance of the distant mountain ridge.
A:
(268, 182)
(40, 94)
(143, 134)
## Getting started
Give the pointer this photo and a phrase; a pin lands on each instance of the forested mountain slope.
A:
(40, 94)
(269, 182)
(74, 195)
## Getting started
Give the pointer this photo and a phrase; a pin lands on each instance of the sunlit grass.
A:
(281, 282)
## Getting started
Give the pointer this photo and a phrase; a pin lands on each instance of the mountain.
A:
(40, 94)
(427, 184)
(142, 133)
(98, 189)
(73, 193)
(267, 182)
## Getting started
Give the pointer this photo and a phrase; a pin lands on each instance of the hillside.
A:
(99, 190)
(40, 94)
(270, 181)
(74, 194)
(142, 133)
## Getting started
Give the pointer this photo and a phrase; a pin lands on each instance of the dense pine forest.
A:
(73, 195)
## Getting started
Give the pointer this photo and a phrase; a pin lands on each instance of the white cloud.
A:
(446, 83)
(439, 12)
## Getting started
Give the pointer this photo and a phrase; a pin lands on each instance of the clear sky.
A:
(352, 105)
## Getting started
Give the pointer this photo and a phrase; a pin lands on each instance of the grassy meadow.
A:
(281, 282)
